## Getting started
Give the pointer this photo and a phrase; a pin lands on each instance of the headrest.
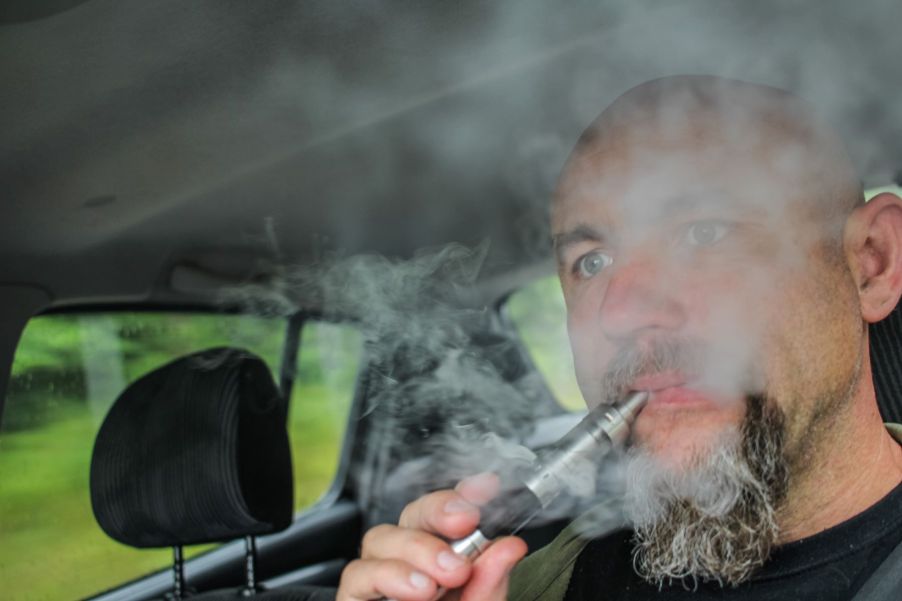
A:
(194, 452)
(886, 362)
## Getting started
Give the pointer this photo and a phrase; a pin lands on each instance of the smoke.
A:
(406, 124)
(446, 381)
(544, 71)
(415, 113)
(392, 128)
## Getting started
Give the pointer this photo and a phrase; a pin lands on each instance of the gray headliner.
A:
(140, 135)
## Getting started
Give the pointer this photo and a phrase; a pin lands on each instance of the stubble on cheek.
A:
(816, 359)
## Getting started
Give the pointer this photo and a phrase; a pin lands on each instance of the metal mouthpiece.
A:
(620, 416)
(605, 427)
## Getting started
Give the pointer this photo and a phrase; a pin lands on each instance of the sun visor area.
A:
(208, 272)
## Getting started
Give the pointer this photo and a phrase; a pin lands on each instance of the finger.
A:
(384, 578)
(424, 552)
(479, 489)
(446, 513)
(491, 572)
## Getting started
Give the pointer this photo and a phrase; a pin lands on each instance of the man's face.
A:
(699, 269)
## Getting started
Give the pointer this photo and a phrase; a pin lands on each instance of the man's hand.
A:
(412, 561)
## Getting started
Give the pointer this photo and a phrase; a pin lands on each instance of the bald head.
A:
(761, 134)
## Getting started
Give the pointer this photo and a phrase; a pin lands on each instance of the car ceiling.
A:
(143, 136)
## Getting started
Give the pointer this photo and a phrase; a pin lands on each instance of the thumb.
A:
(491, 571)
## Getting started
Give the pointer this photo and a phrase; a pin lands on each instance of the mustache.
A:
(684, 355)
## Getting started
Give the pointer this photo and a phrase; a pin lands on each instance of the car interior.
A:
(271, 270)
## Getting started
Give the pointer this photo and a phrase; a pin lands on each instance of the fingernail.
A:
(458, 506)
(479, 489)
(449, 561)
(418, 580)
(482, 480)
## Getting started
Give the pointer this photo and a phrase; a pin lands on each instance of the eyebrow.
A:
(687, 202)
(581, 233)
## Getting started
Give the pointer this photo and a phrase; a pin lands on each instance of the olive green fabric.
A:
(545, 575)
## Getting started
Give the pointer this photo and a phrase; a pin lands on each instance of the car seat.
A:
(197, 452)
(886, 363)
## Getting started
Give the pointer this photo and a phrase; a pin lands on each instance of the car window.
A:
(540, 318)
(872, 192)
(321, 399)
(68, 370)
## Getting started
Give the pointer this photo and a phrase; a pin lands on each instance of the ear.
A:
(873, 243)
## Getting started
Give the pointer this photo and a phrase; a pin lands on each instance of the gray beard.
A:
(715, 520)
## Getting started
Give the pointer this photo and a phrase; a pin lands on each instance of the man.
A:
(714, 248)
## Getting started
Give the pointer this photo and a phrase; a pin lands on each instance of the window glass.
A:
(539, 316)
(321, 398)
(67, 372)
(869, 194)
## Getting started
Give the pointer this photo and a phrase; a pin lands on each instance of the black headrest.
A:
(196, 451)
(886, 361)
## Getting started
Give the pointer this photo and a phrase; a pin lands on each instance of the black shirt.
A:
(831, 565)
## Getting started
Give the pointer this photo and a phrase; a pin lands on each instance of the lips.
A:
(659, 381)
(670, 388)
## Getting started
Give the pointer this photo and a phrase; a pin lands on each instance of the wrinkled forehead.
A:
(737, 144)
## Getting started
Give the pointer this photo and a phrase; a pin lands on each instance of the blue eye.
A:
(591, 264)
(705, 233)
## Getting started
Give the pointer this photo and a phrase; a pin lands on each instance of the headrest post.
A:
(250, 566)
(178, 572)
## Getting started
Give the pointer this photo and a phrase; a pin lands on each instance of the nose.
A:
(640, 297)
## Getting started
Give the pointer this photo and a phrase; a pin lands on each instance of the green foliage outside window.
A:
(540, 317)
